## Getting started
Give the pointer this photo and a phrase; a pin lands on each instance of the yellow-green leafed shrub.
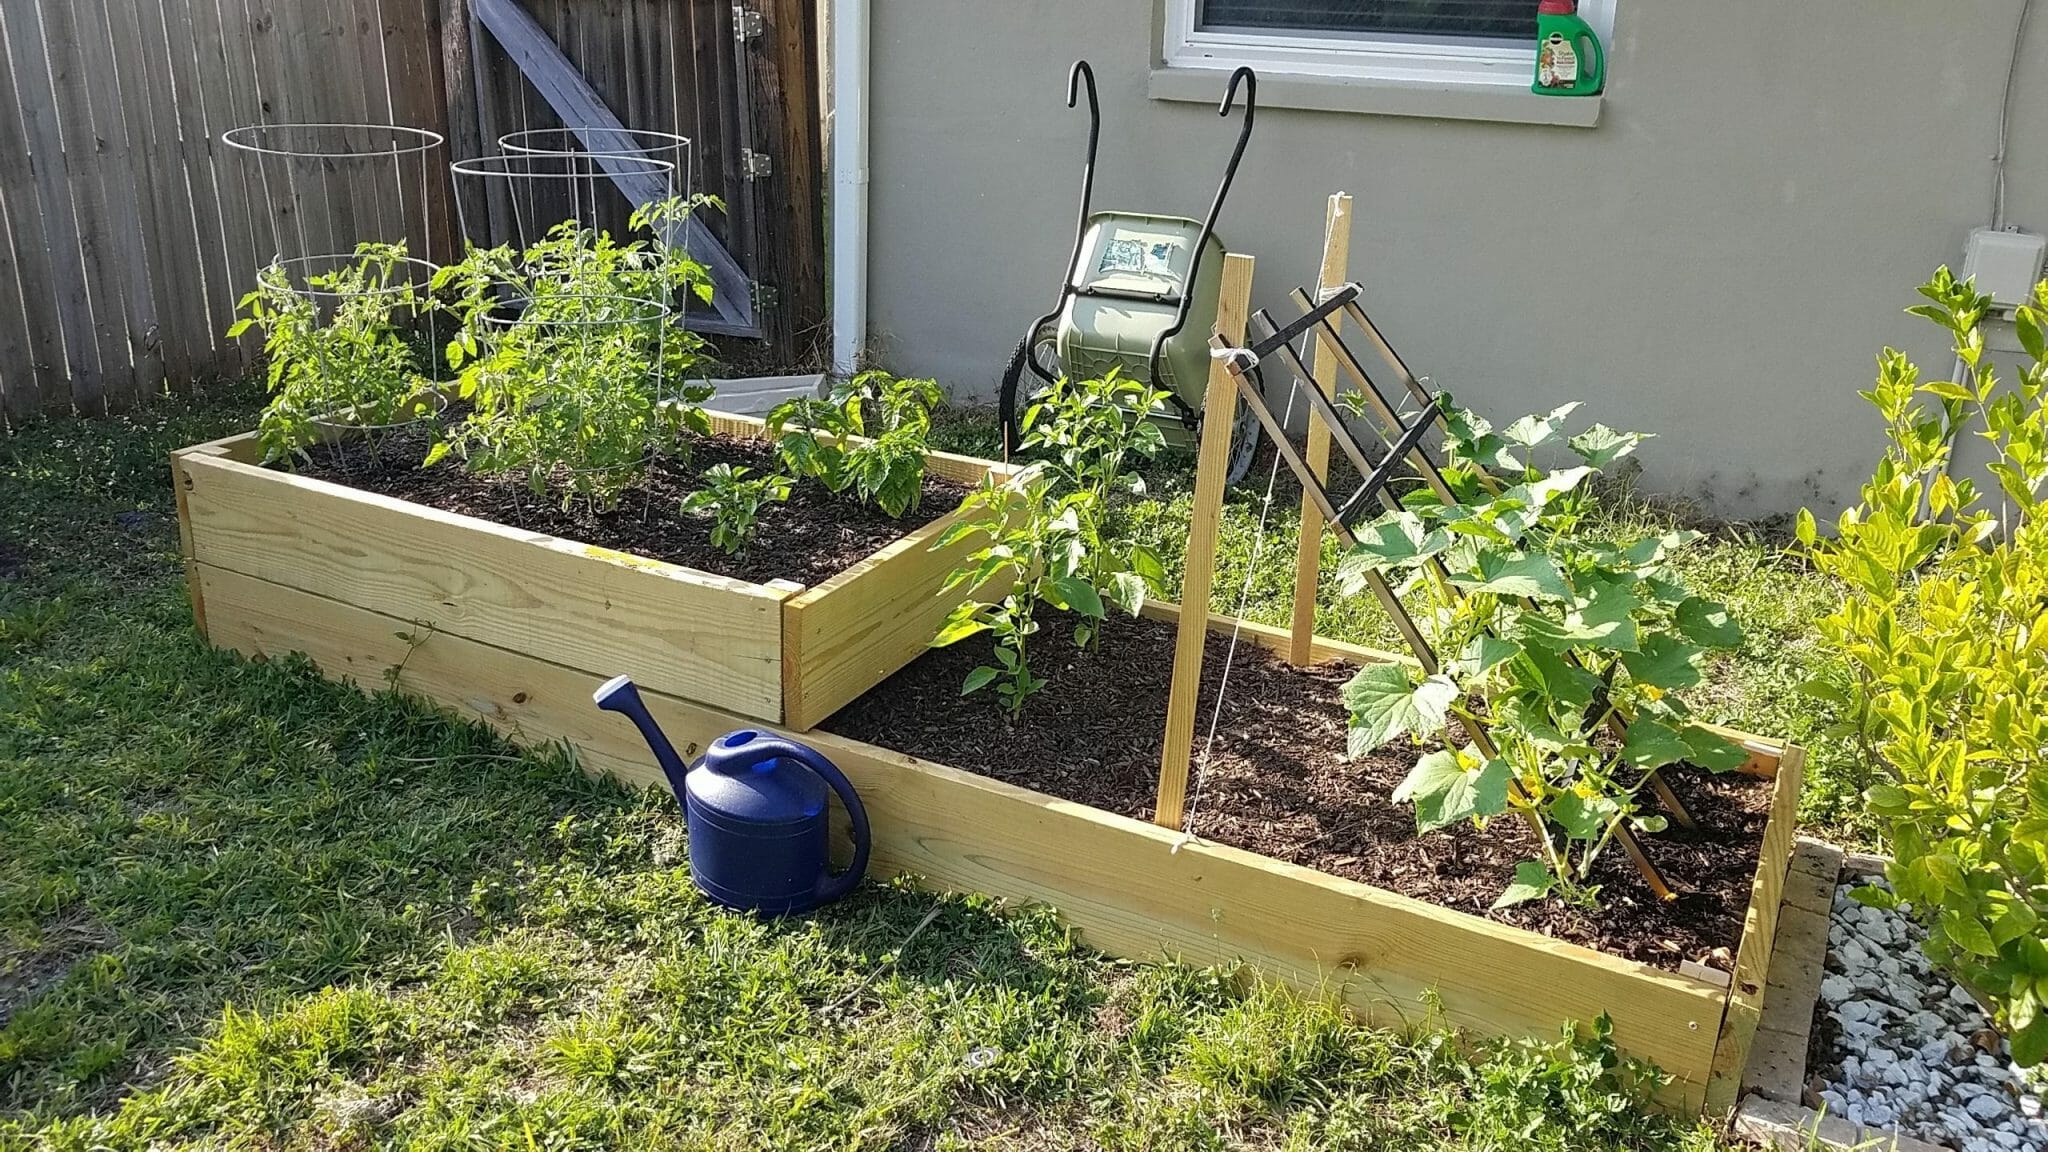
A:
(1944, 624)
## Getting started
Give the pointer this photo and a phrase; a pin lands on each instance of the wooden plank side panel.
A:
(1119, 881)
(849, 634)
(1753, 957)
(703, 637)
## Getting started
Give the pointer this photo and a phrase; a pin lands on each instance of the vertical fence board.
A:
(175, 286)
(196, 77)
(28, 232)
(25, 37)
(129, 214)
(70, 83)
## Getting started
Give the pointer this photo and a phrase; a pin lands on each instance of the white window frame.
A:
(1342, 57)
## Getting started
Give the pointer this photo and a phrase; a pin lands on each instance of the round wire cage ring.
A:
(336, 141)
(620, 143)
(425, 407)
(302, 272)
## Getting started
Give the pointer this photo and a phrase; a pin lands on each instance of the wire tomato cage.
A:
(562, 367)
(329, 187)
(676, 236)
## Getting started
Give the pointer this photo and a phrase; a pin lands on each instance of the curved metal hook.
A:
(1247, 79)
(1079, 72)
(1244, 76)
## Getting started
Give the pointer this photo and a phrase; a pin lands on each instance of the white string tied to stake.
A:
(1251, 571)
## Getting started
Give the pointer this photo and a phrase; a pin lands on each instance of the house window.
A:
(1487, 42)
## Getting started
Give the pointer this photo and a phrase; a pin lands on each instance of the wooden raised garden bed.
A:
(1129, 887)
(516, 629)
(776, 652)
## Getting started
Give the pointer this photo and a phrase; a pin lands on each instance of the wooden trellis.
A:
(1235, 375)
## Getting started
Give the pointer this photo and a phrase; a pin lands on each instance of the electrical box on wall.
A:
(2006, 265)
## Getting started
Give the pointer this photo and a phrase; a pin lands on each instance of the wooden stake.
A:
(1219, 412)
(1308, 552)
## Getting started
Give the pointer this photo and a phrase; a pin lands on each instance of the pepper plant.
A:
(1944, 624)
(1546, 631)
(1028, 536)
(338, 347)
(734, 499)
(1091, 433)
(869, 437)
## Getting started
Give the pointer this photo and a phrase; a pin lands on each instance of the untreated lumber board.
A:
(1308, 545)
(1219, 410)
(1776, 1069)
(1759, 929)
(1130, 888)
(673, 629)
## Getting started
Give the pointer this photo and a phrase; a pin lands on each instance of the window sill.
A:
(1447, 100)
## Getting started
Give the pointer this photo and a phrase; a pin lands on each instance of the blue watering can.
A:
(757, 813)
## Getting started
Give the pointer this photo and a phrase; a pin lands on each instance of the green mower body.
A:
(1128, 286)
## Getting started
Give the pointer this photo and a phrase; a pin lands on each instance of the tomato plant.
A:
(571, 358)
(1546, 630)
(1944, 623)
(338, 346)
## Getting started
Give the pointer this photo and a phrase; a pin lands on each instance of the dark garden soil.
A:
(812, 537)
(1277, 784)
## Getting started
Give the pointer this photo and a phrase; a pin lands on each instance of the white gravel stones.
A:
(1909, 1053)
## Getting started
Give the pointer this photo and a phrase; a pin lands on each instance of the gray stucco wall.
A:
(1718, 261)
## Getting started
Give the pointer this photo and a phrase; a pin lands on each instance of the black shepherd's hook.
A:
(1078, 73)
(1250, 81)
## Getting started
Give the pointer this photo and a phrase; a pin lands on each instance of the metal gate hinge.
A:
(746, 23)
(763, 296)
(756, 165)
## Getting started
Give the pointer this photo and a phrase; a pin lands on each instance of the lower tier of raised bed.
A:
(1130, 888)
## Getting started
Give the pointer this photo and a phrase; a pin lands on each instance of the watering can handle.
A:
(764, 748)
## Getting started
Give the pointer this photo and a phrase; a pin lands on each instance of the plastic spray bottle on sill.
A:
(1569, 61)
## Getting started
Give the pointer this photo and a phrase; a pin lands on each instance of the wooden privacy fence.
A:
(129, 230)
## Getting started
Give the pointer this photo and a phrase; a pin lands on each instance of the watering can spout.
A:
(618, 694)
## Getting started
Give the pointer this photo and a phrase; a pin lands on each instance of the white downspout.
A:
(849, 183)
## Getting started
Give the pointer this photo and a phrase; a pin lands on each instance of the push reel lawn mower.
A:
(1139, 296)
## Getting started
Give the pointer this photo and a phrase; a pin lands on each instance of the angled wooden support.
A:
(1219, 413)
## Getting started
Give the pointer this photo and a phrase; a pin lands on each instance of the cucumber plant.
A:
(338, 346)
(868, 437)
(1545, 630)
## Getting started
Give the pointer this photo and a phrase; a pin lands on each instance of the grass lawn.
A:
(243, 907)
